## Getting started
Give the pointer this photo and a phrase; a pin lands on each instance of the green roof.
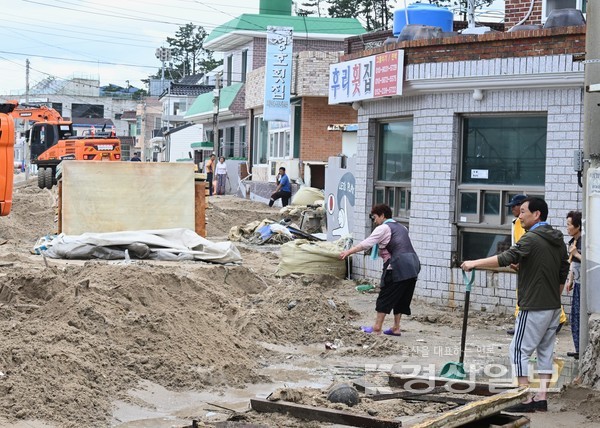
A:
(306, 25)
(202, 145)
(204, 103)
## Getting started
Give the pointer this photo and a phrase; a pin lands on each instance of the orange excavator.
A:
(51, 140)
(7, 152)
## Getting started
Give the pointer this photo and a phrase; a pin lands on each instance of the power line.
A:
(79, 60)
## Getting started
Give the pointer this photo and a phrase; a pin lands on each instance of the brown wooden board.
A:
(415, 383)
(420, 397)
(320, 414)
(475, 411)
(200, 188)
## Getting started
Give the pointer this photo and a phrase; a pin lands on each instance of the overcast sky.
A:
(113, 40)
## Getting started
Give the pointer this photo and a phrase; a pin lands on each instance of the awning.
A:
(203, 106)
(203, 145)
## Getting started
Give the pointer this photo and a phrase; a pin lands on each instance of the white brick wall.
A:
(436, 151)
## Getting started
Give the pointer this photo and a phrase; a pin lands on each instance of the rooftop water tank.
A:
(424, 14)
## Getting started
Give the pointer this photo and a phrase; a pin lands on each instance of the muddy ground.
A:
(159, 344)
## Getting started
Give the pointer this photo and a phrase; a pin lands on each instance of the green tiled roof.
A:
(204, 103)
(308, 24)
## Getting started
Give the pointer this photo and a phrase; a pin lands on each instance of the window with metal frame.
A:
(244, 65)
(228, 149)
(501, 156)
(279, 140)
(229, 65)
(260, 141)
(243, 143)
(394, 166)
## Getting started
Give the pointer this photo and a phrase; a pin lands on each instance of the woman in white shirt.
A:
(221, 173)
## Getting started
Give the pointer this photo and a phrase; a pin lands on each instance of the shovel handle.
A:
(468, 281)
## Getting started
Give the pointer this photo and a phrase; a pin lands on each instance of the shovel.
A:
(457, 370)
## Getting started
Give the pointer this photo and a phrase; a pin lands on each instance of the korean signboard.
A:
(278, 74)
(374, 76)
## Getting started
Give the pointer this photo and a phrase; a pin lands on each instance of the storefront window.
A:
(394, 166)
(501, 156)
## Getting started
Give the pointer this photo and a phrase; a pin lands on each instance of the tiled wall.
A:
(435, 160)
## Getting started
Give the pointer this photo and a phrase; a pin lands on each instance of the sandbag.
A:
(307, 196)
(303, 256)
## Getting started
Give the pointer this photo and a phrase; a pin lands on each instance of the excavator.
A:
(7, 152)
(51, 140)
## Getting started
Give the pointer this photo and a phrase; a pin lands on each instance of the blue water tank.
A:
(424, 14)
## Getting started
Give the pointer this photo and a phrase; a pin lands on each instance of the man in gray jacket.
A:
(543, 268)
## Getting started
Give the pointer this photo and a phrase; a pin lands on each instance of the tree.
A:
(311, 7)
(460, 7)
(188, 54)
(187, 50)
(375, 14)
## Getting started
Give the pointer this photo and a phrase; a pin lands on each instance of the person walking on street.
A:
(135, 158)
(574, 279)
(401, 267)
(209, 169)
(221, 172)
(517, 232)
(283, 190)
(543, 267)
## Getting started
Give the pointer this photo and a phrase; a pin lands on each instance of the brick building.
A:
(480, 119)
(301, 144)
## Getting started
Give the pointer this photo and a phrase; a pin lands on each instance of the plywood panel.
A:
(118, 196)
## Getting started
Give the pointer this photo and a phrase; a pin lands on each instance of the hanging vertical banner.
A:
(278, 74)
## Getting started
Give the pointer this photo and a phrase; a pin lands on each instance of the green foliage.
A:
(140, 94)
(377, 14)
(374, 14)
(459, 7)
(187, 49)
(311, 7)
(188, 54)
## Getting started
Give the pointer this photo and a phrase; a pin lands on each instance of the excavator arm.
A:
(7, 142)
(35, 113)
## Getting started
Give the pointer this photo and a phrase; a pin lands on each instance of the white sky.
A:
(67, 38)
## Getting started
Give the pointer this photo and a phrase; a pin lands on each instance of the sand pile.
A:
(76, 336)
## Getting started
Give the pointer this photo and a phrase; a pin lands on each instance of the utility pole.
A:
(26, 162)
(590, 294)
(164, 55)
(216, 104)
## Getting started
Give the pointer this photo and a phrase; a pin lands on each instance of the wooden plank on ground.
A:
(434, 398)
(416, 383)
(119, 196)
(476, 410)
(320, 414)
(375, 394)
